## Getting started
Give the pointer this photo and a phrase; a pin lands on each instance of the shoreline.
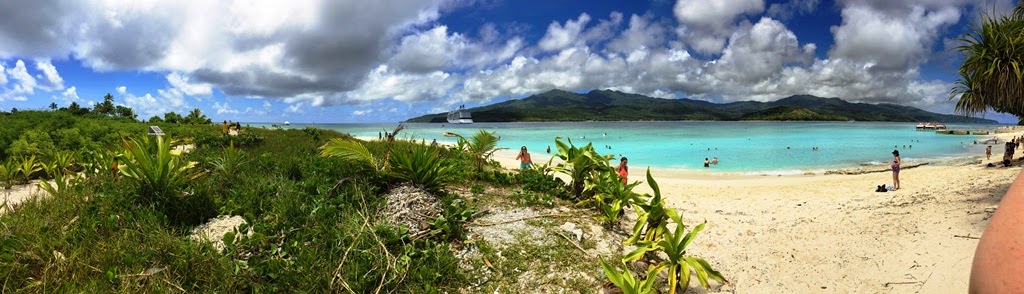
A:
(506, 157)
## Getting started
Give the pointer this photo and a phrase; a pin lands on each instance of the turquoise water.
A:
(741, 147)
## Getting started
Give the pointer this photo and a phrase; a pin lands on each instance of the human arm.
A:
(999, 258)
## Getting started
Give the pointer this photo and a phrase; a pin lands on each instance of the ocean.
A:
(741, 147)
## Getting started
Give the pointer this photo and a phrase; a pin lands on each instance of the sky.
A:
(349, 61)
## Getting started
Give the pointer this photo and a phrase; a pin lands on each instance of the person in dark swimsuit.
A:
(707, 163)
(896, 170)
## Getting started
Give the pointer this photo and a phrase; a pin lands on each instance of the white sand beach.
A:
(833, 233)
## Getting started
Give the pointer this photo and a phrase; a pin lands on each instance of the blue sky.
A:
(384, 61)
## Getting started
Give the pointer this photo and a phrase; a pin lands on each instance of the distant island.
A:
(608, 105)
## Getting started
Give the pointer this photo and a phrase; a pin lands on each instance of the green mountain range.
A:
(608, 105)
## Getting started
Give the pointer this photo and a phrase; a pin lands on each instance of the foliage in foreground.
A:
(992, 73)
(658, 238)
(308, 230)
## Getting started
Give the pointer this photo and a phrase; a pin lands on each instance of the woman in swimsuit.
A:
(623, 170)
(896, 170)
(524, 158)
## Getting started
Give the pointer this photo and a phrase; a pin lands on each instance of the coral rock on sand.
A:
(412, 207)
(214, 230)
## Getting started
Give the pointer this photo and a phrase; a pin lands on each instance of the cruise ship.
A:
(460, 116)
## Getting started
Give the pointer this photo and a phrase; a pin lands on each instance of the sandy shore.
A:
(833, 233)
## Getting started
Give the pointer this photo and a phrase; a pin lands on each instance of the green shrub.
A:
(629, 283)
(161, 175)
(533, 199)
(422, 165)
(8, 173)
(679, 264)
(535, 180)
(28, 167)
(450, 225)
(229, 162)
(580, 164)
(477, 189)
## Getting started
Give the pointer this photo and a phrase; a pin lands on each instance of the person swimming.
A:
(714, 160)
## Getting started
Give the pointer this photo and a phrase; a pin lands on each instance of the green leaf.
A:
(702, 276)
(711, 272)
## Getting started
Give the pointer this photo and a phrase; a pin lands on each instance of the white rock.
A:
(571, 228)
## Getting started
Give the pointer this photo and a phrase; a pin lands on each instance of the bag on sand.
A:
(881, 188)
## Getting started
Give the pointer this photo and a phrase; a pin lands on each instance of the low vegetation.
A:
(121, 206)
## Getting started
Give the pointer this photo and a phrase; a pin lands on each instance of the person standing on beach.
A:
(988, 152)
(224, 128)
(524, 158)
(623, 170)
(896, 170)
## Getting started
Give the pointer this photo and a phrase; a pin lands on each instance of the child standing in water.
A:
(524, 158)
(896, 170)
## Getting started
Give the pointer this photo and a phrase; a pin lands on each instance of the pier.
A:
(993, 131)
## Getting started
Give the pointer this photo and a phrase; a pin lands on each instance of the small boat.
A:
(450, 134)
(460, 116)
(287, 123)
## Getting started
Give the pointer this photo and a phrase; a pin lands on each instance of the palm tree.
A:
(481, 145)
(992, 73)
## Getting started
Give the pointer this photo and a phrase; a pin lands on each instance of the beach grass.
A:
(311, 200)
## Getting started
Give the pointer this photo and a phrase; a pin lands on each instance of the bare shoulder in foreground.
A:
(999, 259)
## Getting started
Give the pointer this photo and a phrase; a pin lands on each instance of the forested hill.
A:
(608, 105)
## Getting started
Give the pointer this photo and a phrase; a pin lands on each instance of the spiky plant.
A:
(629, 283)
(422, 166)
(480, 146)
(992, 73)
(27, 167)
(160, 173)
(580, 164)
(679, 262)
(8, 173)
(651, 216)
(229, 161)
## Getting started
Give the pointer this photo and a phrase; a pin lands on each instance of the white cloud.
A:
(757, 53)
(707, 23)
(889, 41)
(385, 83)
(321, 53)
(223, 108)
(25, 83)
(3, 75)
(148, 105)
(52, 79)
(183, 83)
(69, 95)
(787, 10)
(294, 108)
(642, 33)
(559, 37)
